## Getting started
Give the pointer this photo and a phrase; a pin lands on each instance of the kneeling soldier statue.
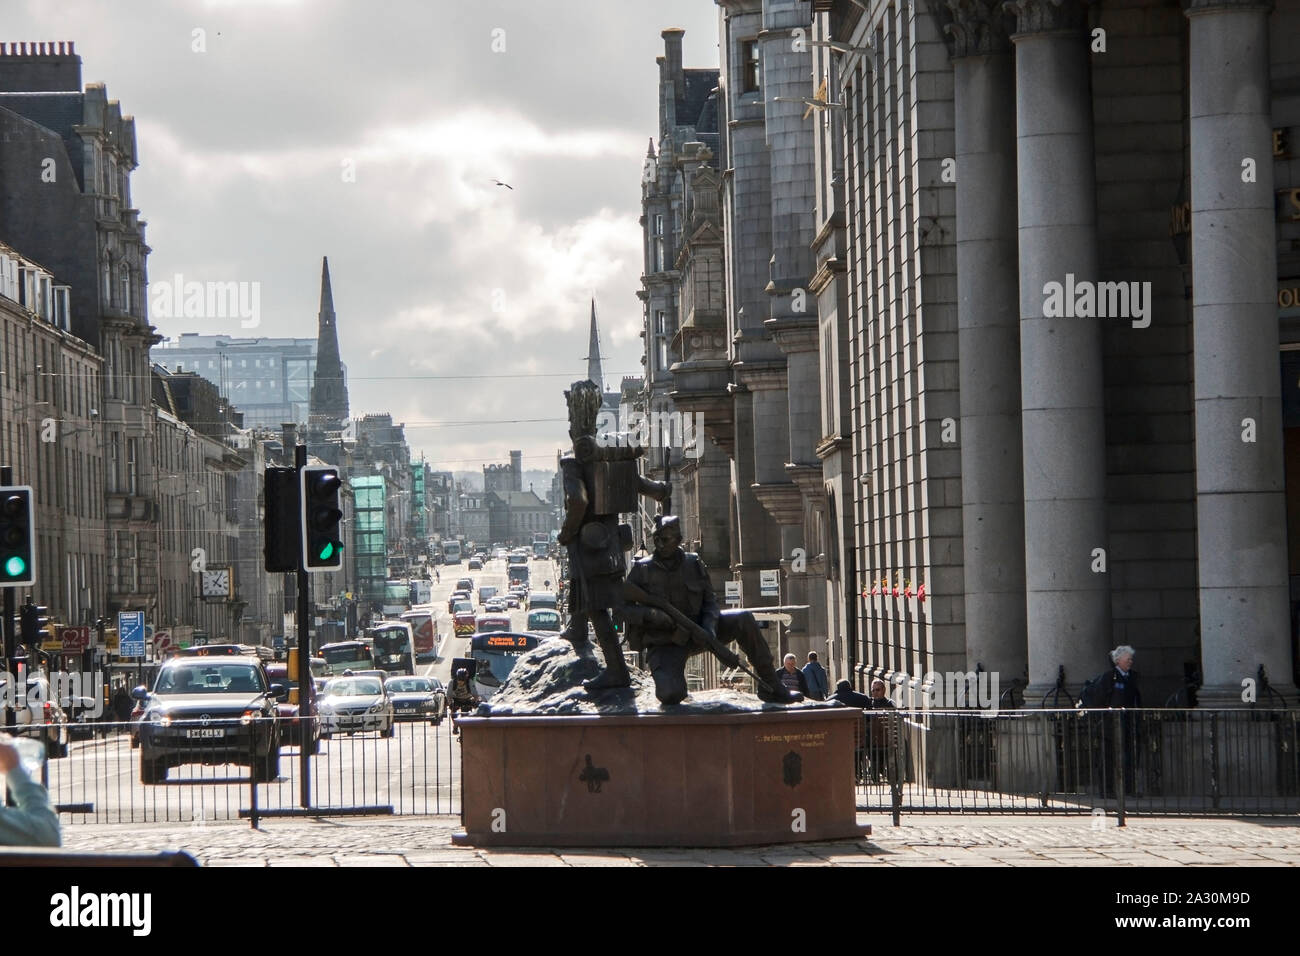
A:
(672, 614)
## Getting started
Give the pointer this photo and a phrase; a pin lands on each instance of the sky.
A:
(271, 133)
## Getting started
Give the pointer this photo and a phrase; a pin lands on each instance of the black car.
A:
(210, 710)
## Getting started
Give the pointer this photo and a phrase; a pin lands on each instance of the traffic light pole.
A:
(10, 640)
(306, 699)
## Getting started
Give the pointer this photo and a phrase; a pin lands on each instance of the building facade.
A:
(268, 380)
(1071, 235)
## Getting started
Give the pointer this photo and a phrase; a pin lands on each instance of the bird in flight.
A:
(507, 185)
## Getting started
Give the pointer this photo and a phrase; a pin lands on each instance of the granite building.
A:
(1073, 239)
(683, 294)
(66, 157)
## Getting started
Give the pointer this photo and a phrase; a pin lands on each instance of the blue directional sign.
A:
(130, 633)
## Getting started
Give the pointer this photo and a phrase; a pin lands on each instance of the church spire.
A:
(594, 371)
(329, 391)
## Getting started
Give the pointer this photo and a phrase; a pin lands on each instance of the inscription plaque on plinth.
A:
(730, 779)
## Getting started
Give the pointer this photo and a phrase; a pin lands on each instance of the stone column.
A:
(988, 337)
(1240, 505)
(1062, 398)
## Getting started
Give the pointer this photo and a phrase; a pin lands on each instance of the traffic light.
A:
(17, 534)
(322, 542)
(282, 535)
(35, 618)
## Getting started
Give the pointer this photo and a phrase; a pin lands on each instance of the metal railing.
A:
(1070, 761)
(126, 773)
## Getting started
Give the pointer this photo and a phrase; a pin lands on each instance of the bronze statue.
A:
(601, 482)
(672, 614)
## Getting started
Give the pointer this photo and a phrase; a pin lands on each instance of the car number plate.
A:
(206, 732)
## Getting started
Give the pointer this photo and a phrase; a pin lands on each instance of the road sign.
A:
(130, 631)
(162, 642)
(769, 583)
(731, 590)
(75, 638)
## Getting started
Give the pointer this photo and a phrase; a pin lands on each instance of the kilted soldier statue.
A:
(601, 481)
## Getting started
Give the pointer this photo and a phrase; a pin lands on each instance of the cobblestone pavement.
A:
(921, 841)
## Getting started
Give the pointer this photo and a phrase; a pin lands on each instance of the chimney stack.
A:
(673, 61)
(289, 439)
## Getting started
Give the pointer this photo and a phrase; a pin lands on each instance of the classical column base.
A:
(1229, 696)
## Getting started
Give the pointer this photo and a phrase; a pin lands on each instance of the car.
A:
(464, 622)
(455, 598)
(545, 619)
(475, 564)
(495, 605)
(538, 599)
(466, 585)
(288, 706)
(38, 715)
(511, 600)
(417, 698)
(210, 710)
(462, 606)
(353, 704)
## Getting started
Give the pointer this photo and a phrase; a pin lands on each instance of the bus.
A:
(347, 656)
(424, 624)
(517, 574)
(451, 552)
(397, 598)
(495, 655)
(394, 647)
(541, 549)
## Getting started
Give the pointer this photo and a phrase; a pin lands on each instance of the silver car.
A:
(351, 704)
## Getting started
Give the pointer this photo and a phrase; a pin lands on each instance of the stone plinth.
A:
(717, 779)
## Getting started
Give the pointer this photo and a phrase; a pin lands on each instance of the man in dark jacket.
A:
(1116, 688)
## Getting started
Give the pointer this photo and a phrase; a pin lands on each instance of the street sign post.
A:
(130, 632)
(731, 590)
(769, 583)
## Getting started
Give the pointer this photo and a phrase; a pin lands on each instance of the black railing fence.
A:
(197, 772)
(1192, 762)
(1138, 762)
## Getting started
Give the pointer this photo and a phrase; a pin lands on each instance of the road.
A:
(417, 771)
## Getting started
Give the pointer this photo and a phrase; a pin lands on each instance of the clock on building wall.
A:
(215, 583)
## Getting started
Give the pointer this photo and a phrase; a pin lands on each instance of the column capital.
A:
(1047, 16)
(979, 27)
(1193, 7)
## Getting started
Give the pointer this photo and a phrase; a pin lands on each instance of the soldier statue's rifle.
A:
(729, 657)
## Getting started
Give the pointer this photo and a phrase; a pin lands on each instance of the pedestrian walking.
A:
(815, 675)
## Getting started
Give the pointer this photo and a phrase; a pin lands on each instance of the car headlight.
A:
(376, 708)
(159, 719)
(250, 715)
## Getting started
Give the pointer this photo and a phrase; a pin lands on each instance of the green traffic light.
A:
(327, 552)
(15, 567)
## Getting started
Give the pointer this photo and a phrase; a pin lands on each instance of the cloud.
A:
(241, 178)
